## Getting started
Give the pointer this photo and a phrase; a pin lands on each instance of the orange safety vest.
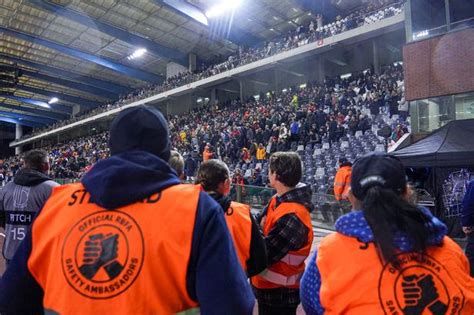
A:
(129, 260)
(240, 228)
(353, 281)
(342, 182)
(288, 271)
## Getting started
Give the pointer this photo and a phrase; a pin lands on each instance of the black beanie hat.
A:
(140, 128)
(377, 169)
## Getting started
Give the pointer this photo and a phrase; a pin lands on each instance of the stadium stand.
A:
(108, 88)
(338, 118)
(369, 14)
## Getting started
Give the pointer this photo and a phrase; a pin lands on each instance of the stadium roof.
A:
(77, 50)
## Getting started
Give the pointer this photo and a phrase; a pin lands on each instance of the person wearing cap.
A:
(388, 256)
(128, 239)
(288, 233)
(214, 178)
(342, 181)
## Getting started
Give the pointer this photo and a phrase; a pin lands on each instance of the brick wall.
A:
(439, 66)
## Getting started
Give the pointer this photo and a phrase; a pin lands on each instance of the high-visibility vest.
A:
(240, 228)
(342, 182)
(129, 260)
(288, 271)
(354, 281)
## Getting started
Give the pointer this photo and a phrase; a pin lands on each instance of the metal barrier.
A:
(63, 181)
(327, 208)
(256, 197)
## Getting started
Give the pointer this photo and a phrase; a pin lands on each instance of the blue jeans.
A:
(470, 251)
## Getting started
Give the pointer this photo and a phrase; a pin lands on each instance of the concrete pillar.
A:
(321, 71)
(241, 90)
(408, 22)
(213, 96)
(448, 17)
(276, 81)
(433, 115)
(173, 69)
(76, 109)
(376, 57)
(192, 62)
(18, 135)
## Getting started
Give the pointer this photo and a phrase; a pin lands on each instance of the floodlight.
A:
(137, 54)
(222, 7)
(53, 100)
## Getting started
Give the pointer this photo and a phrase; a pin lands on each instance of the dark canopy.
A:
(449, 146)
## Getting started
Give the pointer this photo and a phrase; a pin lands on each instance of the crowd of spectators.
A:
(245, 132)
(373, 11)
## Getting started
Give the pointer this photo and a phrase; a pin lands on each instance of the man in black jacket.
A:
(22, 198)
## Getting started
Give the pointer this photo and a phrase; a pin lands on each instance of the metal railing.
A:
(327, 208)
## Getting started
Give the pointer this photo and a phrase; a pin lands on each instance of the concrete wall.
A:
(173, 69)
(181, 104)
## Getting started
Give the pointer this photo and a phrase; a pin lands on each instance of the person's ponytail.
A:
(388, 214)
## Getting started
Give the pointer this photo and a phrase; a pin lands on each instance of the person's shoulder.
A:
(450, 245)
(51, 183)
(333, 241)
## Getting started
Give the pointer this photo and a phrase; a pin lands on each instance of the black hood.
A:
(223, 201)
(128, 177)
(30, 177)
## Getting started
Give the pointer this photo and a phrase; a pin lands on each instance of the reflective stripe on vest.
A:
(280, 279)
(129, 260)
(287, 271)
(293, 260)
(354, 281)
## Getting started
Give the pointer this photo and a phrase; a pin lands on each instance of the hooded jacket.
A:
(354, 225)
(214, 277)
(20, 200)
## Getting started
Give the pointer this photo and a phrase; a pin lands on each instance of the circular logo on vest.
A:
(102, 254)
(421, 285)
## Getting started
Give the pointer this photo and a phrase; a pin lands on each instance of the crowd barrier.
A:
(327, 209)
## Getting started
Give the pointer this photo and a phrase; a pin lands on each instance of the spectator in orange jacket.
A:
(261, 152)
(342, 182)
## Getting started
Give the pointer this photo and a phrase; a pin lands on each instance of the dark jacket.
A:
(20, 200)
(214, 279)
(190, 166)
(257, 261)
